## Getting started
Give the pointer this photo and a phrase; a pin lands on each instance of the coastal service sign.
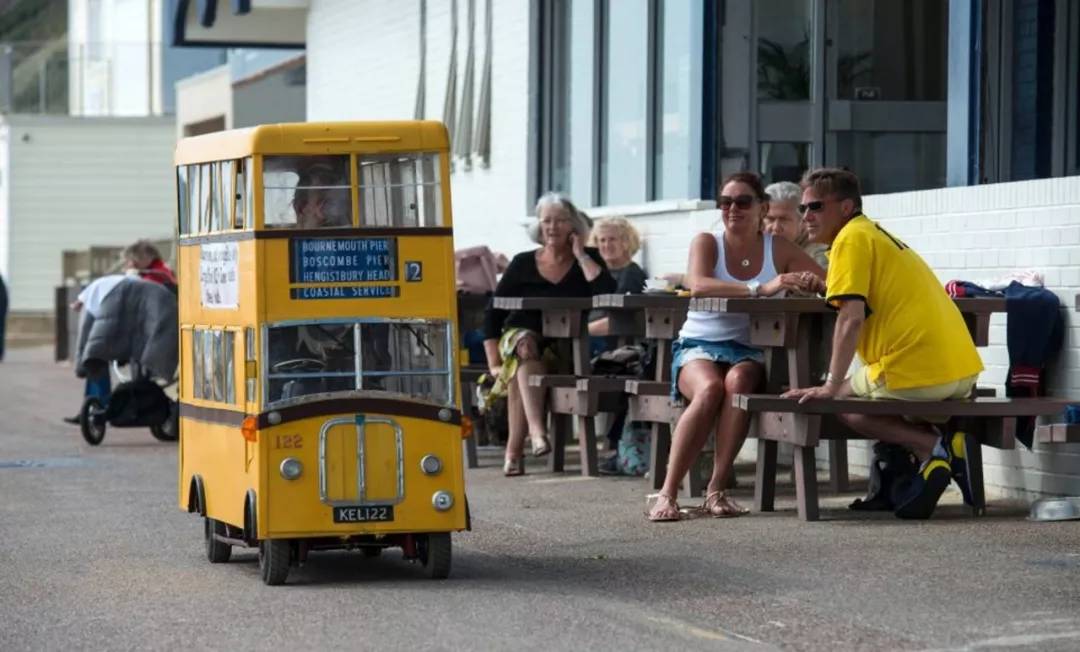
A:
(218, 274)
(343, 268)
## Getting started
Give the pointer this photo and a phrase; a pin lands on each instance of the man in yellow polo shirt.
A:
(895, 313)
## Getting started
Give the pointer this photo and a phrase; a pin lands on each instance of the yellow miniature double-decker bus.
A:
(318, 392)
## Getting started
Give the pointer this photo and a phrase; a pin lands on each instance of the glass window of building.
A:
(783, 49)
(623, 162)
(676, 83)
(893, 161)
(890, 50)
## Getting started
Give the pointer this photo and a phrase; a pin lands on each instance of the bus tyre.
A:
(93, 428)
(168, 430)
(435, 555)
(216, 551)
(274, 561)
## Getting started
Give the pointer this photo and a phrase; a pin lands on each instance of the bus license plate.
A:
(363, 513)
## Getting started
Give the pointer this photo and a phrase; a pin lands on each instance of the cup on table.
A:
(657, 285)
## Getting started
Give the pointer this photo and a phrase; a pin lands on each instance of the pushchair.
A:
(138, 401)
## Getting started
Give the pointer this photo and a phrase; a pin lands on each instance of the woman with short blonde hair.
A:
(618, 241)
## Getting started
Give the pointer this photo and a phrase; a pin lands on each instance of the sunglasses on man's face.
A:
(742, 202)
(811, 207)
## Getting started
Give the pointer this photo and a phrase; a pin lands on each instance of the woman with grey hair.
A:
(515, 349)
(783, 219)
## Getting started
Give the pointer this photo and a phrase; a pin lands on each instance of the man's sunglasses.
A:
(742, 202)
(813, 206)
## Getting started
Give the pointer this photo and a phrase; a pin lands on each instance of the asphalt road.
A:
(96, 555)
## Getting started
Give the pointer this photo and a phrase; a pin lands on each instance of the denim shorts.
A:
(686, 349)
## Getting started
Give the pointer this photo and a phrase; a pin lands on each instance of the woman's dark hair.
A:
(750, 179)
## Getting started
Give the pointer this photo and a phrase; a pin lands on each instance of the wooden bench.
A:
(985, 421)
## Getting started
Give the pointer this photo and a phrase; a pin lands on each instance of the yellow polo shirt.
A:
(913, 334)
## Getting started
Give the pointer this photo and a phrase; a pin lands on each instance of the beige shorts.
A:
(863, 387)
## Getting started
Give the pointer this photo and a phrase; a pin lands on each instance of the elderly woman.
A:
(712, 358)
(617, 240)
(515, 349)
(783, 219)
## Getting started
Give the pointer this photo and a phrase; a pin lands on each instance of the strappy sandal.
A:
(540, 445)
(514, 467)
(719, 505)
(659, 516)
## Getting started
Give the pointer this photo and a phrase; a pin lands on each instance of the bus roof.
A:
(315, 138)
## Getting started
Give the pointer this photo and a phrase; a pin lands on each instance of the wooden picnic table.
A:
(780, 325)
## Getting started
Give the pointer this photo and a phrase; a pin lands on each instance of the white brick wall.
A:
(363, 63)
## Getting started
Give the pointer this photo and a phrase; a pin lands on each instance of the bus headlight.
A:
(430, 465)
(442, 500)
(291, 468)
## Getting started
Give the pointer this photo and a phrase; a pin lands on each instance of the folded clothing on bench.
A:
(1034, 335)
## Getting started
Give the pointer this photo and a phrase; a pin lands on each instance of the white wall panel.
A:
(78, 182)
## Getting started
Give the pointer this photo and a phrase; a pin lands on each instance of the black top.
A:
(523, 279)
(628, 280)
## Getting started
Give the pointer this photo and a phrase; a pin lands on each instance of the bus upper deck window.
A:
(400, 190)
(307, 192)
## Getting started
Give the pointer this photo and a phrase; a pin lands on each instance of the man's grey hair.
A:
(784, 191)
(582, 223)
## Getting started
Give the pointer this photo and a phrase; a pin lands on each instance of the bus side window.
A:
(183, 201)
(205, 197)
(400, 190)
(213, 366)
(240, 194)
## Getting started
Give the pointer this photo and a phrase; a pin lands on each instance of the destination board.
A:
(342, 260)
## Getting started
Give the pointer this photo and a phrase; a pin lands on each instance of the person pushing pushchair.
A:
(134, 321)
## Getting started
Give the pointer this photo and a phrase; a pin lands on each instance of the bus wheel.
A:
(274, 561)
(91, 424)
(435, 554)
(217, 552)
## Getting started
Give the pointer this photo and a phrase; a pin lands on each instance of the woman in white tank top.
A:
(712, 357)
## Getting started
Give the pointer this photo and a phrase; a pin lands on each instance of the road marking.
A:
(700, 632)
(578, 478)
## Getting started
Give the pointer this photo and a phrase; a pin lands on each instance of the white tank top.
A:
(722, 326)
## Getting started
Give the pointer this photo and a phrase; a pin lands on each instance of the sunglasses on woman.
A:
(742, 202)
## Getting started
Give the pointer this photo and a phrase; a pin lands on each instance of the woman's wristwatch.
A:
(833, 379)
(752, 287)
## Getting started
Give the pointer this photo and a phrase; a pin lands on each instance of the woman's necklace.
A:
(745, 262)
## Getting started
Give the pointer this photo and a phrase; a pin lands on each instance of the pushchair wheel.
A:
(92, 420)
(168, 430)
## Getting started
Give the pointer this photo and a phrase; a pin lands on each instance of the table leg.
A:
(561, 426)
(975, 473)
(765, 480)
(658, 454)
(838, 466)
(587, 443)
(806, 495)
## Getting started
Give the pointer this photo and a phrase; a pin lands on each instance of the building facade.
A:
(961, 117)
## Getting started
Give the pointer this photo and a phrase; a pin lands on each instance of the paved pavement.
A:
(96, 555)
